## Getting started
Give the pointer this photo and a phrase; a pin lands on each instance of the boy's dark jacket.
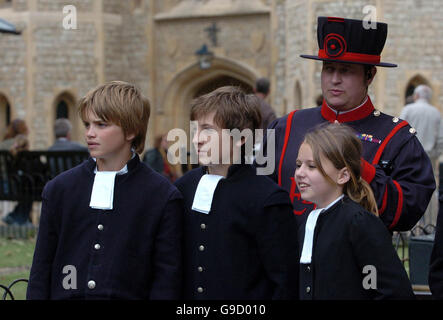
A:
(245, 248)
(140, 242)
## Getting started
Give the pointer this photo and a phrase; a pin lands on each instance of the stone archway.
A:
(191, 82)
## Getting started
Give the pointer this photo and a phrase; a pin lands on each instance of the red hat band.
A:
(334, 47)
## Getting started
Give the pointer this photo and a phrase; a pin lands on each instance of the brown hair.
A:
(21, 143)
(16, 127)
(339, 144)
(234, 109)
(122, 104)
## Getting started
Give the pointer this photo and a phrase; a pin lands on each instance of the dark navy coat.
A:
(396, 166)
(130, 252)
(246, 247)
(349, 244)
(436, 263)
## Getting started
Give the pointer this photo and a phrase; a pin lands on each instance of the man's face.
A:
(344, 85)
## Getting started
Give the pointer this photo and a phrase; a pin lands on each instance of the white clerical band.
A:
(102, 195)
(311, 222)
(205, 192)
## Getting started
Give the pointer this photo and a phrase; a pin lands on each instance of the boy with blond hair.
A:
(239, 235)
(110, 228)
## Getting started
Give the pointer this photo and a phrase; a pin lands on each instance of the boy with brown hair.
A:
(239, 240)
(110, 228)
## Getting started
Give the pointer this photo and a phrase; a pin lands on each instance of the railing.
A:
(23, 177)
(8, 289)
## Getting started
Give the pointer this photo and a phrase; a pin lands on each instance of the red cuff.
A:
(367, 171)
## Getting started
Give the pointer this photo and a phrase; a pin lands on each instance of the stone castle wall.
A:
(126, 40)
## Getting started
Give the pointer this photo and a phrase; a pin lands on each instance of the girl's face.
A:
(313, 186)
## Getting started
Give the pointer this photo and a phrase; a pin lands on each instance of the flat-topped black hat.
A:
(350, 41)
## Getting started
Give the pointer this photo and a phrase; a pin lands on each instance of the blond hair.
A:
(339, 144)
(122, 104)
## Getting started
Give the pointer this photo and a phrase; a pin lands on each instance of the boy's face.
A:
(208, 142)
(106, 140)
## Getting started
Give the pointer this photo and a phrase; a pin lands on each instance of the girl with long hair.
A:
(347, 252)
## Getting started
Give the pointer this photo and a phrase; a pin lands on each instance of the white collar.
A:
(102, 195)
(205, 192)
(311, 222)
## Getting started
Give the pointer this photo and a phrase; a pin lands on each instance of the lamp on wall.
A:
(6, 27)
(204, 57)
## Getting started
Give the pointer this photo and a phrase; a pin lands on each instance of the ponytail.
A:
(360, 191)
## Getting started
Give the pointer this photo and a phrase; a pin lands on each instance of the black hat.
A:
(350, 41)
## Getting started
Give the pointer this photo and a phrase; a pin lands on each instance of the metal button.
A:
(97, 246)
(199, 289)
(91, 284)
(100, 227)
(308, 268)
(413, 131)
(308, 289)
(395, 120)
(376, 113)
(203, 226)
(201, 248)
(200, 269)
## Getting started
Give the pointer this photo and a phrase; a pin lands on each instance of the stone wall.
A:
(64, 61)
(123, 40)
(410, 44)
(13, 71)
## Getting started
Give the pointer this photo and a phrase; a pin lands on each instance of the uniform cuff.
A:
(367, 171)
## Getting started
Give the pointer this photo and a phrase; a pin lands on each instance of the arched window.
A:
(5, 114)
(64, 107)
(62, 110)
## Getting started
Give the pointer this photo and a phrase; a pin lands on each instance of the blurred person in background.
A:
(16, 140)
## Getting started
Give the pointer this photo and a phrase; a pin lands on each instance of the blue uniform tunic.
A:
(395, 164)
(130, 252)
